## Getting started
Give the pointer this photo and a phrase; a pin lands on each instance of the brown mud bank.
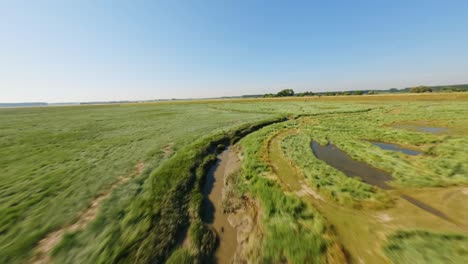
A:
(212, 209)
(234, 218)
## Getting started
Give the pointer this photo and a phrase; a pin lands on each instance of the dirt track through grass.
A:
(46, 245)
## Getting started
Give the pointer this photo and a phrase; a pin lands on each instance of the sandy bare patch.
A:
(384, 218)
(465, 191)
(395, 111)
(46, 245)
(306, 190)
(168, 150)
(246, 221)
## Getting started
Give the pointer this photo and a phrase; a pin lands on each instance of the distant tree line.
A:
(416, 89)
(290, 92)
(421, 89)
(282, 93)
(429, 89)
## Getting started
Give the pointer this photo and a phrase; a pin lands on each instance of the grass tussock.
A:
(293, 231)
(232, 196)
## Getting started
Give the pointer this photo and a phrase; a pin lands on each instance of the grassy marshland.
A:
(153, 158)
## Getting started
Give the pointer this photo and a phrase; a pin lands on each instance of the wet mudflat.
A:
(338, 159)
(395, 147)
(213, 213)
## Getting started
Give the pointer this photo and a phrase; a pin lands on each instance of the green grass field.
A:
(141, 167)
(56, 160)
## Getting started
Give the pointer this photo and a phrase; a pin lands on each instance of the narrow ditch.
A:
(230, 236)
(212, 211)
(212, 208)
(338, 159)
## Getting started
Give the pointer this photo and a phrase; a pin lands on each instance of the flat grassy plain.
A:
(57, 161)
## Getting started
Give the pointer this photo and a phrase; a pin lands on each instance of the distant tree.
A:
(346, 93)
(305, 94)
(269, 95)
(372, 92)
(421, 89)
(358, 92)
(452, 89)
(393, 90)
(285, 92)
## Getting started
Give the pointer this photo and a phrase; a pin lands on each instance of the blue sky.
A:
(116, 50)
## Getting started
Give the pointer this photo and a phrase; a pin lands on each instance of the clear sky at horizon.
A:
(58, 51)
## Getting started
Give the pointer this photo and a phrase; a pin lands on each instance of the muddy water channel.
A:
(212, 212)
(338, 159)
(394, 147)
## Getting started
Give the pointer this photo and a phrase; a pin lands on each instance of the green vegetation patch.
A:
(294, 231)
(426, 247)
(442, 162)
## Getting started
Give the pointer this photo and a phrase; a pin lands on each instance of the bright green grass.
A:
(420, 247)
(294, 231)
(443, 163)
(56, 160)
(348, 126)
(292, 108)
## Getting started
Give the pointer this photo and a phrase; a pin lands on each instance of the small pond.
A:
(432, 130)
(338, 159)
(395, 147)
